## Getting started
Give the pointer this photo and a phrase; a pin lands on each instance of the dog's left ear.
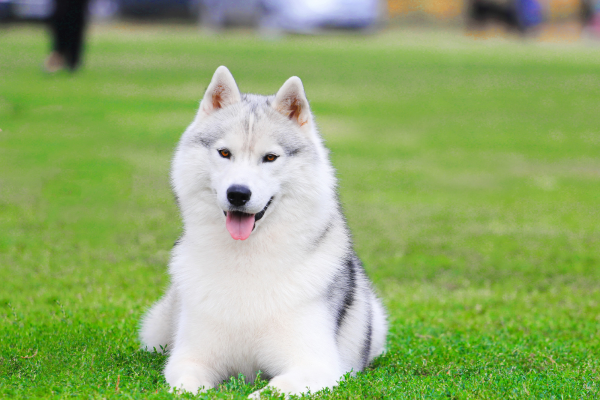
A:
(291, 101)
(222, 92)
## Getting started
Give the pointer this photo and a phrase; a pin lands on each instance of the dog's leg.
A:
(301, 380)
(188, 375)
(191, 364)
(307, 355)
(157, 325)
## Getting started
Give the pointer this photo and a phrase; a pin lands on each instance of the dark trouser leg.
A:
(57, 25)
(68, 26)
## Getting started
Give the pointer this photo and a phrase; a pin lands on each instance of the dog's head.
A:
(244, 154)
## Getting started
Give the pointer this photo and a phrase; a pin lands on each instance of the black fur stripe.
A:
(322, 235)
(350, 292)
(366, 350)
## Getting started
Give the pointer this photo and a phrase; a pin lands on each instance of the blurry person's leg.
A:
(76, 32)
(56, 60)
(68, 29)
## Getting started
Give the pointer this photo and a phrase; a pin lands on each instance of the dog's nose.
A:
(238, 195)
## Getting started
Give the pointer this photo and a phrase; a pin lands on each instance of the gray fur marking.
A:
(366, 350)
(207, 139)
(349, 289)
(317, 242)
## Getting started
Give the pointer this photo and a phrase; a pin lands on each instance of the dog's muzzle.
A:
(261, 214)
(240, 224)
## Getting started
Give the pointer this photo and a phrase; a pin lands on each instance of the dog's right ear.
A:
(221, 92)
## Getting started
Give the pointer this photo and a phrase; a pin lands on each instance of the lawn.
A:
(469, 172)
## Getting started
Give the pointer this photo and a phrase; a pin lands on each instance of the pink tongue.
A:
(239, 225)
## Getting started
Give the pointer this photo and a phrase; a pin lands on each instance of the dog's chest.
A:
(239, 290)
(243, 299)
(240, 318)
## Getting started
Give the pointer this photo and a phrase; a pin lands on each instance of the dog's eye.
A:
(224, 153)
(270, 157)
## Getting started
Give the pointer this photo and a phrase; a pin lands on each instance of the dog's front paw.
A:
(272, 390)
(190, 384)
(255, 395)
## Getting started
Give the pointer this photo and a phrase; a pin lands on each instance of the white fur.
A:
(266, 303)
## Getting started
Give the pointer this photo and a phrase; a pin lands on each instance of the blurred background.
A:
(566, 19)
(465, 134)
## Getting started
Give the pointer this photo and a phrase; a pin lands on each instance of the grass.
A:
(469, 172)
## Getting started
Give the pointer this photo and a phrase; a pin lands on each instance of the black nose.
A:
(238, 195)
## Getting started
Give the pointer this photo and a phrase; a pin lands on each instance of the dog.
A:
(264, 277)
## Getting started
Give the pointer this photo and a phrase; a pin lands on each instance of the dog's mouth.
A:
(240, 224)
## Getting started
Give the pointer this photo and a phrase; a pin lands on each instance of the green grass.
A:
(470, 176)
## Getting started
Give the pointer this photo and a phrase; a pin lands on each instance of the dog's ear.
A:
(291, 101)
(221, 92)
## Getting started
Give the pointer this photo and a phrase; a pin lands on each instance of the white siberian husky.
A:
(265, 276)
